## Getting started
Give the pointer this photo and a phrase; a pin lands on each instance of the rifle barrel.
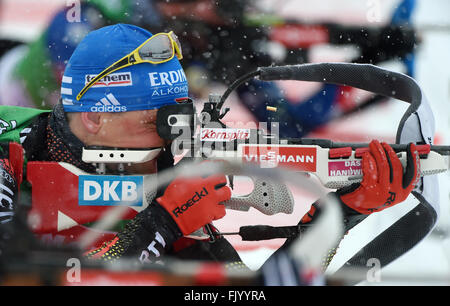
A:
(326, 143)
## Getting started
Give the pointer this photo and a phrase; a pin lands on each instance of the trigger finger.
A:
(223, 194)
(220, 212)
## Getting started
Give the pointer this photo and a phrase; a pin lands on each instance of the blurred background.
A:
(222, 40)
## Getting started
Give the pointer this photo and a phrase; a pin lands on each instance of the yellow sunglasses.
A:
(158, 49)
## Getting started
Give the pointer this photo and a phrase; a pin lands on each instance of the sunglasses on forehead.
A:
(158, 49)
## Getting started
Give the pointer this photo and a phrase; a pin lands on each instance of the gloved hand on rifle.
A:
(385, 183)
(193, 202)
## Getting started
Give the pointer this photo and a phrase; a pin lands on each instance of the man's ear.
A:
(91, 121)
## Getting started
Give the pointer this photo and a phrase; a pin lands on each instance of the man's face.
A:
(135, 129)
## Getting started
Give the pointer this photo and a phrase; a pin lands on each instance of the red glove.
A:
(384, 182)
(194, 201)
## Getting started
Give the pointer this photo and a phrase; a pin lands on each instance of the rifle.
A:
(335, 164)
(215, 140)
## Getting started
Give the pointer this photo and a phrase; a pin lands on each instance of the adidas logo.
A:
(108, 105)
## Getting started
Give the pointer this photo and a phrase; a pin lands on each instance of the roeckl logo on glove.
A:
(197, 197)
(390, 200)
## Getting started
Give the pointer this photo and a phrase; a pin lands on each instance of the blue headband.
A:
(139, 87)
